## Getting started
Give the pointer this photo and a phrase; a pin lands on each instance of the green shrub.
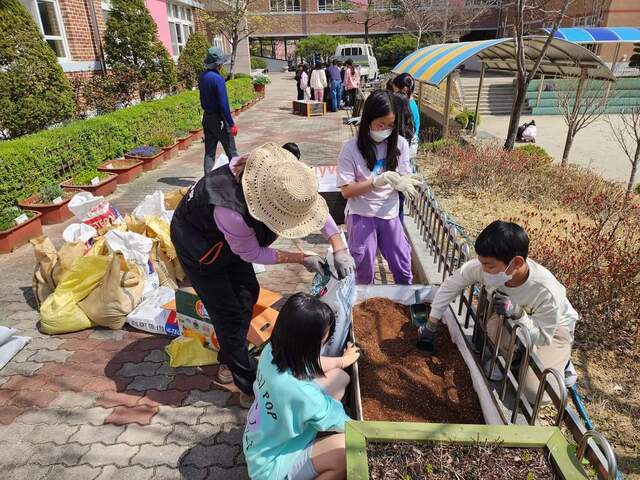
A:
(638, 189)
(50, 192)
(236, 76)
(471, 116)
(258, 63)
(34, 92)
(29, 162)
(261, 80)
(535, 151)
(162, 140)
(85, 177)
(462, 119)
(438, 146)
(190, 63)
(131, 41)
(8, 216)
(392, 49)
(102, 94)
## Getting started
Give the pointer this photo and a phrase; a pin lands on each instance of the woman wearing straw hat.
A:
(227, 221)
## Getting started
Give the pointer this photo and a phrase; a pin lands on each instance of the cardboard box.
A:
(194, 320)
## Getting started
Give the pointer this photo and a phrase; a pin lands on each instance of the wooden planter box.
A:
(184, 142)
(309, 109)
(21, 234)
(171, 151)
(548, 438)
(149, 163)
(259, 88)
(102, 189)
(196, 135)
(126, 169)
(51, 212)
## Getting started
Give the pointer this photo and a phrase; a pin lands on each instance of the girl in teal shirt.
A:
(297, 395)
(404, 83)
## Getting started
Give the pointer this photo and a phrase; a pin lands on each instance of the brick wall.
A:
(75, 16)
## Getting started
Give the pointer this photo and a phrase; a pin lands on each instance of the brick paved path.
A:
(105, 404)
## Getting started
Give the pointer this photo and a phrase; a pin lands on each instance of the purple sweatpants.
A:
(367, 235)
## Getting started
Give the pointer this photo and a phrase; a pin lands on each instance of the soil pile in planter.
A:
(398, 382)
(389, 461)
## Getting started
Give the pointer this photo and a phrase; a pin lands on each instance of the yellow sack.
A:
(158, 228)
(134, 225)
(189, 352)
(163, 266)
(46, 258)
(172, 198)
(120, 292)
(67, 255)
(60, 313)
(180, 275)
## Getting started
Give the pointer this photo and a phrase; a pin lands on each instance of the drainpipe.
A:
(97, 39)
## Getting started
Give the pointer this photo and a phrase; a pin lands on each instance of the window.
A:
(217, 42)
(351, 52)
(180, 26)
(48, 18)
(105, 6)
(332, 5)
(284, 5)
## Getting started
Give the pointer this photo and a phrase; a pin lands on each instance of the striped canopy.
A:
(599, 34)
(434, 63)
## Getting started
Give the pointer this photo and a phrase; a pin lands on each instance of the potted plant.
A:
(17, 227)
(167, 142)
(196, 134)
(184, 139)
(542, 452)
(51, 201)
(259, 82)
(126, 169)
(91, 180)
(150, 155)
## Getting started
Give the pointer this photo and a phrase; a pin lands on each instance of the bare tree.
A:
(626, 133)
(581, 102)
(369, 14)
(523, 10)
(229, 18)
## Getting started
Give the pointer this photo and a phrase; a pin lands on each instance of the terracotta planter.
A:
(184, 142)
(126, 169)
(259, 88)
(196, 134)
(171, 151)
(51, 212)
(149, 163)
(21, 234)
(102, 189)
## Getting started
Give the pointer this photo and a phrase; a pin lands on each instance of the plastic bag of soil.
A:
(46, 258)
(340, 295)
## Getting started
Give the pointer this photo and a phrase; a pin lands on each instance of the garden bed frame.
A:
(19, 235)
(125, 174)
(102, 189)
(52, 213)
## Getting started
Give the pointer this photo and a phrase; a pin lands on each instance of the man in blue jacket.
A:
(217, 121)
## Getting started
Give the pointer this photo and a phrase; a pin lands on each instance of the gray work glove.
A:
(314, 264)
(426, 336)
(503, 305)
(408, 183)
(344, 262)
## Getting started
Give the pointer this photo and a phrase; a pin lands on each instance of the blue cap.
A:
(215, 57)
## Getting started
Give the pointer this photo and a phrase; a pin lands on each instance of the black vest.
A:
(194, 218)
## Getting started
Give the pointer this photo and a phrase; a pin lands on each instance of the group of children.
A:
(336, 83)
(295, 427)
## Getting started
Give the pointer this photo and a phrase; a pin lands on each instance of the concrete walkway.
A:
(105, 404)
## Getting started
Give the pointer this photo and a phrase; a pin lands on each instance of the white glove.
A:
(408, 183)
(386, 178)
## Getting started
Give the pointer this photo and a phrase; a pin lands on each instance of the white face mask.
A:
(380, 135)
(496, 280)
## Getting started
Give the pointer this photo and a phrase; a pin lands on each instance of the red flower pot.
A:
(259, 88)
(149, 163)
(102, 189)
(20, 234)
(171, 151)
(196, 134)
(51, 212)
(184, 142)
(126, 169)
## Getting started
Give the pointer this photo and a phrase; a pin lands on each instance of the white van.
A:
(361, 54)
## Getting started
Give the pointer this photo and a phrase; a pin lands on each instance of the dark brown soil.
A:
(411, 461)
(398, 382)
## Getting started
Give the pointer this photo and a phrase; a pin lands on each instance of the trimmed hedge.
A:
(30, 162)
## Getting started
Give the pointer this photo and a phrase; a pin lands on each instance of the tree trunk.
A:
(567, 145)
(366, 31)
(234, 52)
(419, 38)
(521, 95)
(634, 169)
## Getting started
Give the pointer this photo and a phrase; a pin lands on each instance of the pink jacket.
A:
(351, 81)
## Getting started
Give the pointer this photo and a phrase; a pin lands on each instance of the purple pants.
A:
(367, 235)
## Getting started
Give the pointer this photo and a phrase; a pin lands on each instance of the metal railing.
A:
(449, 251)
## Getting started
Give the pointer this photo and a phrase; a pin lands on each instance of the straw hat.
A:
(282, 192)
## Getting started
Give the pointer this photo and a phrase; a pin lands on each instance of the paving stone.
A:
(79, 472)
(235, 473)
(51, 454)
(142, 384)
(58, 434)
(14, 433)
(157, 356)
(166, 369)
(104, 384)
(138, 435)
(146, 369)
(46, 416)
(140, 414)
(88, 416)
(156, 398)
(26, 472)
(115, 399)
(26, 314)
(118, 455)
(22, 368)
(173, 415)
(22, 356)
(151, 456)
(231, 437)
(198, 398)
(107, 334)
(29, 399)
(183, 472)
(75, 400)
(66, 383)
(59, 356)
(192, 382)
(217, 415)
(8, 414)
(126, 473)
(204, 434)
(88, 434)
(209, 455)
(6, 395)
(24, 382)
(16, 454)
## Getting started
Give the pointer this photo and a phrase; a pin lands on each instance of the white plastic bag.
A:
(151, 317)
(79, 232)
(10, 344)
(135, 247)
(153, 206)
(84, 206)
(220, 161)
